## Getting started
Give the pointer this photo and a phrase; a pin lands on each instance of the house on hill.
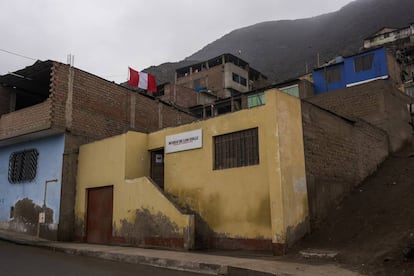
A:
(218, 78)
(390, 35)
(357, 69)
(47, 111)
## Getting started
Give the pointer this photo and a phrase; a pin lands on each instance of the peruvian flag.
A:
(142, 80)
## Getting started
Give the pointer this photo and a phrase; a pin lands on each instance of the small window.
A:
(237, 149)
(255, 100)
(23, 166)
(292, 90)
(363, 63)
(236, 78)
(243, 81)
(239, 79)
(332, 74)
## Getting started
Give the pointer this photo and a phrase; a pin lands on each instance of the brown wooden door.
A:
(157, 167)
(99, 215)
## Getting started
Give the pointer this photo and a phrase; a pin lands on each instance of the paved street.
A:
(26, 260)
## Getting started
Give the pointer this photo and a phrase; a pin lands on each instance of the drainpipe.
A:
(42, 215)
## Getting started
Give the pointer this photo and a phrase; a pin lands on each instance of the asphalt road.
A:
(26, 260)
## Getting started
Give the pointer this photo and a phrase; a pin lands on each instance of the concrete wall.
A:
(229, 69)
(142, 215)
(262, 207)
(27, 198)
(339, 154)
(379, 103)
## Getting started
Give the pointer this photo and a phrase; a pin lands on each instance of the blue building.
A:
(30, 174)
(353, 70)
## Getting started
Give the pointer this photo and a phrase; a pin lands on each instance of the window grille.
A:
(237, 149)
(23, 166)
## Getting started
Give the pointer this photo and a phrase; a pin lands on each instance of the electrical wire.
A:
(16, 54)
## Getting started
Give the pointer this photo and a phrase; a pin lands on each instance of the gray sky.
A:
(107, 36)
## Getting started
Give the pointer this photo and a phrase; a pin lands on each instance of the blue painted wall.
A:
(321, 86)
(378, 69)
(348, 74)
(49, 167)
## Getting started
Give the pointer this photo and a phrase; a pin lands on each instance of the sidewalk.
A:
(189, 261)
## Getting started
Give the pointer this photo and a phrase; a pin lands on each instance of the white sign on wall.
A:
(184, 141)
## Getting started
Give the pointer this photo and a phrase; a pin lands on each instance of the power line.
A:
(16, 54)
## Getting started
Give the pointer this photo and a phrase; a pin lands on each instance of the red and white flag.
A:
(142, 80)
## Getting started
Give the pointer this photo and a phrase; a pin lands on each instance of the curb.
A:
(198, 267)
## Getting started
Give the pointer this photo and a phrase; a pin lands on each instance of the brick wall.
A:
(339, 154)
(100, 108)
(379, 103)
(27, 120)
(184, 97)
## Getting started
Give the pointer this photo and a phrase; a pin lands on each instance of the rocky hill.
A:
(284, 49)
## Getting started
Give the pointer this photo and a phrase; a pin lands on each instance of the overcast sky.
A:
(107, 36)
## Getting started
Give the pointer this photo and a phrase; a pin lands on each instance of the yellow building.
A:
(235, 181)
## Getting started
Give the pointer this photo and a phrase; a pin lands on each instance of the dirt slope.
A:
(375, 222)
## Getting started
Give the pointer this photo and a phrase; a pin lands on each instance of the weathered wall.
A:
(244, 207)
(377, 102)
(262, 207)
(26, 198)
(142, 215)
(339, 154)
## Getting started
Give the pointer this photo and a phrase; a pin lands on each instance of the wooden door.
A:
(99, 215)
(157, 167)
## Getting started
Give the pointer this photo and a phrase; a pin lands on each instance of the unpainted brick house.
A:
(218, 78)
(47, 111)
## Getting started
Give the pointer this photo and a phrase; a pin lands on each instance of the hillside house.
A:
(389, 35)
(214, 79)
(47, 111)
(357, 69)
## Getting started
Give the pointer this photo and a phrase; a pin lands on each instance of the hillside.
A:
(281, 49)
(372, 226)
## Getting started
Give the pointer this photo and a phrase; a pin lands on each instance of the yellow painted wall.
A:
(292, 167)
(244, 202)
(123, 161)
(264, 201)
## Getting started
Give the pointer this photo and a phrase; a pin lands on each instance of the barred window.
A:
(23, 166)
(237, 149)
(363, 63)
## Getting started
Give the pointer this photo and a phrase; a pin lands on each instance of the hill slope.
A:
(373, 224)
(281, 49)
